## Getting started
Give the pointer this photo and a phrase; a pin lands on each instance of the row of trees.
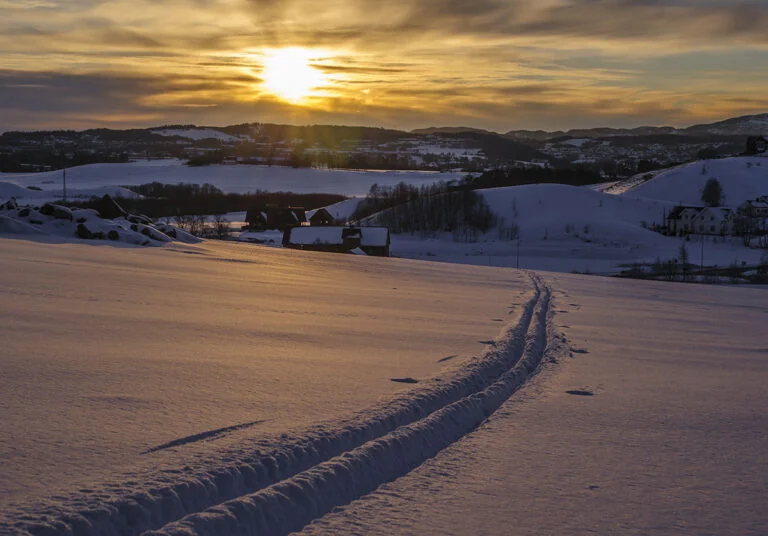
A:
(164, 200)
(439, 207)
(517, 176)
(216, 226)
(463, 213)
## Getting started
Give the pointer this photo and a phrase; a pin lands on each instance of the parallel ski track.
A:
(305, 478)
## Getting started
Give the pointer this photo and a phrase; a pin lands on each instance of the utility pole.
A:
(64, 196)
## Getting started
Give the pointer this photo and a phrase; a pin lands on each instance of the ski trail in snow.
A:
(304, 477)
(201, 436)
(289, 505)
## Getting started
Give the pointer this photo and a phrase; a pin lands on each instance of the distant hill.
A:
(747, 125)
(451, 130)
(737, 126)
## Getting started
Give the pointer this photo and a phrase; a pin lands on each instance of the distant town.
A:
(609, 153)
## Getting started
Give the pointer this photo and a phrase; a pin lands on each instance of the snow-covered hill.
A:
(742, 178)
(566, 228)
(747, 125)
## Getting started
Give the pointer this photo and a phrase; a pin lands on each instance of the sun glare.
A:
(288, 74)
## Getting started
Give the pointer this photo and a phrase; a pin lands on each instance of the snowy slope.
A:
(231, 179)
(671, 442)
(206, 369)
(565, 228)
(193, 408)
(742, 178)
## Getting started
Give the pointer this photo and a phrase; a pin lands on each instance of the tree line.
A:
(163, 200)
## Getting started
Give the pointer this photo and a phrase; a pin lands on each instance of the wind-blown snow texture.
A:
(282, 336)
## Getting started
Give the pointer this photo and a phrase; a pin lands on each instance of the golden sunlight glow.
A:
(288, 74)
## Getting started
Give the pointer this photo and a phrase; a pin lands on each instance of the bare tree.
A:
(220, 227)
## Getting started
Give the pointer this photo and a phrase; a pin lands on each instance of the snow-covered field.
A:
(565, 228)
(230, 179)
(223, 388)
(672, 440)
(132, 370)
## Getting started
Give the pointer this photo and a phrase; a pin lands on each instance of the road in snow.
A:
(673, 440)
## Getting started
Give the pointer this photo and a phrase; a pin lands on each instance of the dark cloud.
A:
(487, 19)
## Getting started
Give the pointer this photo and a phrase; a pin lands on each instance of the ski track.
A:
(307, 476)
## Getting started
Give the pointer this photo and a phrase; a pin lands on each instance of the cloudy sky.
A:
(496, 64)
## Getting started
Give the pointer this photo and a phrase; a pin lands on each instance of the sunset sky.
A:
(500, 65)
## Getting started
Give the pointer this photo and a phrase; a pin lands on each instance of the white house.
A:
(684, 220)
(713, 221)
(680, 219)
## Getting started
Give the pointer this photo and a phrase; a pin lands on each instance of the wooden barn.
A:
(283, 217)
(256, 219)
(321, 217)
(274, 217)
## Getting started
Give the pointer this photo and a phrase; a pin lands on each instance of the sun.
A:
(288, 73)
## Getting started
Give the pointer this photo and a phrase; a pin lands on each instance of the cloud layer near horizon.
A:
(494, 64)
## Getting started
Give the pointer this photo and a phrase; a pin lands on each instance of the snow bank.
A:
(71, 224)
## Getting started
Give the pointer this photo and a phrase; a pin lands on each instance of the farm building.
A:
(321, 217)
(375, 241)
(683, 220)
(371, 240)
(274, 217)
